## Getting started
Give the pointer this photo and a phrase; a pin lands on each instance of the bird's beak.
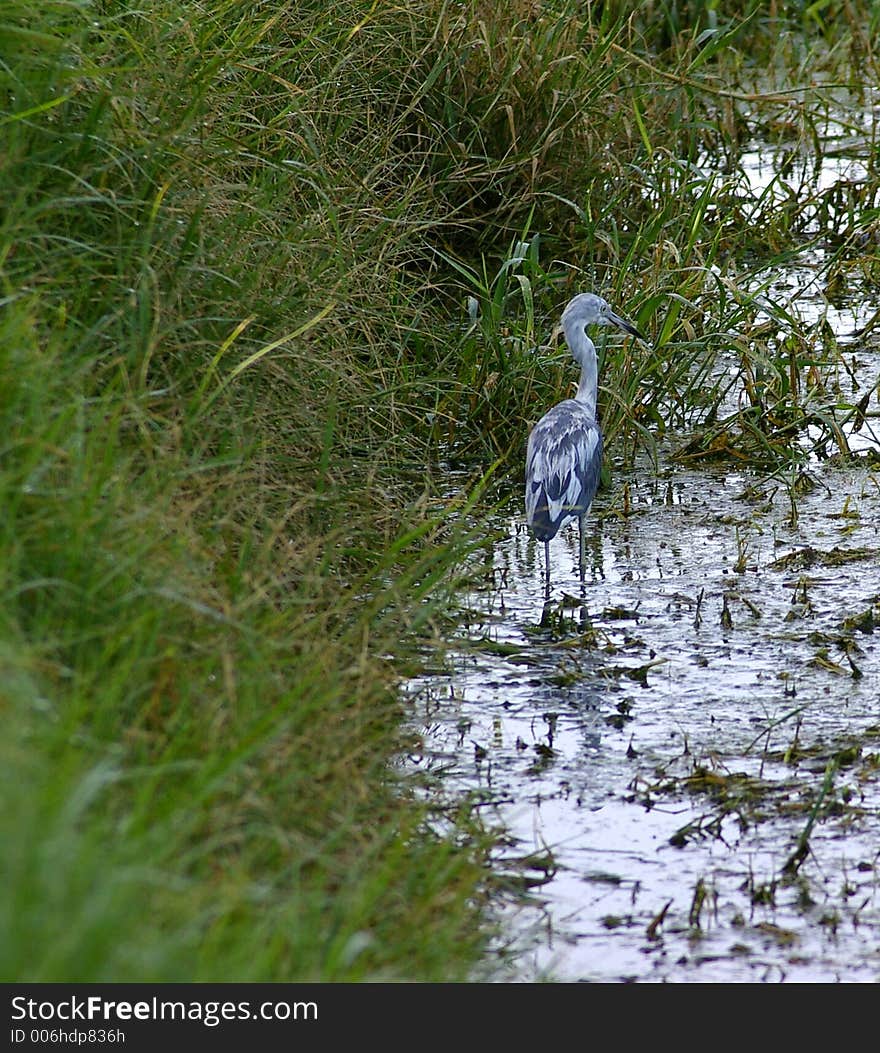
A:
(626, 326)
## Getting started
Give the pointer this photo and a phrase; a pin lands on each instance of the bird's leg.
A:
(547, 569)
(581, 533)
(585, 618)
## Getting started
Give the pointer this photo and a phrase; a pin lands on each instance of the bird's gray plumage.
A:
(564, 452)
(563, 463)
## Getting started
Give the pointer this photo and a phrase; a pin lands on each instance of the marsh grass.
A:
(236, 358)
(662, 219)
(209, 539)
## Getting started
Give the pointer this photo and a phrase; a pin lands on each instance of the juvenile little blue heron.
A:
(564, 453)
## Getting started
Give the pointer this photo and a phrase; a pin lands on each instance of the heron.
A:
(564, 452)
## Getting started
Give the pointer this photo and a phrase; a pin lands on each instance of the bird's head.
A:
(588, 309)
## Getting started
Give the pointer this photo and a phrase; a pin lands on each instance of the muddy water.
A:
(655, 747)
(685, 750)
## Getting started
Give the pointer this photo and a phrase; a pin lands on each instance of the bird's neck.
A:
(585, 353)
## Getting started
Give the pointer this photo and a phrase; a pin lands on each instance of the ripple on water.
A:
(665, 734)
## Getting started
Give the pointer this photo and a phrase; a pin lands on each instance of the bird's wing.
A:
(563, 464)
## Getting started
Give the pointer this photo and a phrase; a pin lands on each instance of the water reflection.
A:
(566, 714)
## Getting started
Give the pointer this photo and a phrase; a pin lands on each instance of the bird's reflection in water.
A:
(566, 614)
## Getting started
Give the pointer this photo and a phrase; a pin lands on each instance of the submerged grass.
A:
(236, 251)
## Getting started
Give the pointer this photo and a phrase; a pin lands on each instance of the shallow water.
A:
(598, 740)
(661, 740)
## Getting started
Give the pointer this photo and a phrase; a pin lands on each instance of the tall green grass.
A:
(236, 247)
(206, 554)
(648, 203)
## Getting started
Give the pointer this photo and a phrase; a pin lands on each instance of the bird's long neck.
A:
(585, 352)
